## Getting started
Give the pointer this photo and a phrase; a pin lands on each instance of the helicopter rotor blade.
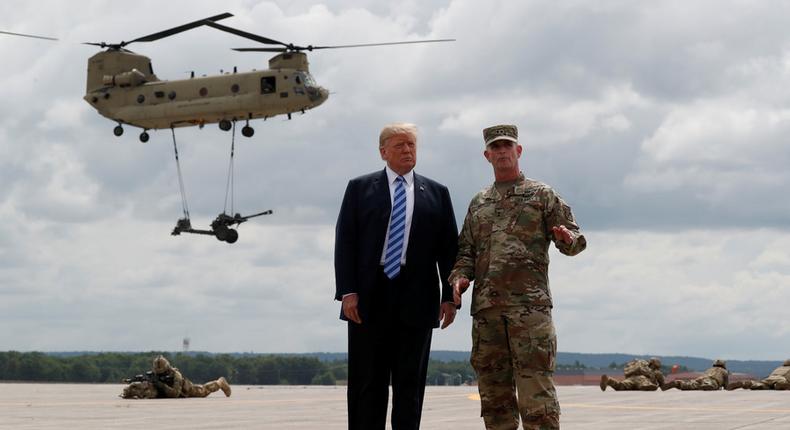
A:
(179, 29)
(27, 35)
(310, 48)
(245, 34)
(260, 49)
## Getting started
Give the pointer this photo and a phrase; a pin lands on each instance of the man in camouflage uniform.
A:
(779, 379)
(171, 383)
(640, 375)
(503, 248)
(713, 379)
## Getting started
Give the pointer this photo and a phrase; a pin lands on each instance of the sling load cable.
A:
(230, 183)
(184, 205)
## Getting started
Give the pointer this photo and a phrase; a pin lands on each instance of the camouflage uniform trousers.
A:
(771, 383)
(197, 390)
(513, 351)
(701, 383)
(633, 383)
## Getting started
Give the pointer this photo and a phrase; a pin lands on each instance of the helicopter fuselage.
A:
(128, 92)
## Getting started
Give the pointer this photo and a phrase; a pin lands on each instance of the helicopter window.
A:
(234, 88)
(171, 95)
(159, 94)
(140, 98)
(268, 85)
(150, 68)
(283, 94)
(203, 92)
(298, 80)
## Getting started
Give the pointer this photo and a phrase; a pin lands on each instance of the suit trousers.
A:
(383, 351)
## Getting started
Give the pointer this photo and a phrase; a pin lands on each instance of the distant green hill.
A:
(589, 361)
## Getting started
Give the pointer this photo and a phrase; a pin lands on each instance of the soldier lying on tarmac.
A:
(166, 381)
(779, 379)
(713, 379)
(641, 375)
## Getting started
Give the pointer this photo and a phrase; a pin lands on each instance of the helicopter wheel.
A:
(232, 236)
(247, 131)
(118, 130)
(225, 125)
(144, 137)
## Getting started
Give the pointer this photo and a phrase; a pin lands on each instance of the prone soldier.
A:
(165, 381)
(172, 384)
(640, 375)
(779, 379)
(715, 378)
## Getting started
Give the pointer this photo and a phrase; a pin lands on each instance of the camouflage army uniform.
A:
(640, 375)
(713, 379)
(179, 386)
(503, 248)
(779, 379)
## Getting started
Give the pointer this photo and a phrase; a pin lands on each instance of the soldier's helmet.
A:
(161, 365)
(655, 363)
(720, 363)
(786, 363)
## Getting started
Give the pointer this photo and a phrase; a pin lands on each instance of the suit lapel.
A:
(419, 207)
(381, 191)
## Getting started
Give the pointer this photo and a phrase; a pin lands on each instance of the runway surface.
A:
(89, 407)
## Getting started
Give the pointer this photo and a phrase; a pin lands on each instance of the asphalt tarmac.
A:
(89, 407)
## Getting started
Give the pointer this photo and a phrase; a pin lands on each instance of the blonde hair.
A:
(396, 128)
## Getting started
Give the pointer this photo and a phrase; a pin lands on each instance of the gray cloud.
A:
(662, 124)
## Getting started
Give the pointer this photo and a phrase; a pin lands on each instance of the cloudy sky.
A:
(664, 124)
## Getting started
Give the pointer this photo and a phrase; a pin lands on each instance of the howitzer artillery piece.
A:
(220, 227)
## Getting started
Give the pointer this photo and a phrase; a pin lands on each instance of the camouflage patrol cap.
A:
(161, 365)
(500, 132)
(720, 363)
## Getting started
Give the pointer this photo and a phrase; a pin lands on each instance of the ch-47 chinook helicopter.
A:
(122, 86)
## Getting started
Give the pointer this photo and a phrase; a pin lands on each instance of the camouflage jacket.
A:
(779, 374)
(179, 387)
(503, 246)
(718, 374)
(639, 367)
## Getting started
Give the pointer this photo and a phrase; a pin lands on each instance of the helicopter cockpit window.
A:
(268, 85)
(306, 78)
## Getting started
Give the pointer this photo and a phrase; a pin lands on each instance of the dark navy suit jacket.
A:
(433, 243)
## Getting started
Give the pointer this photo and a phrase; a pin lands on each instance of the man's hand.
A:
(459, 286)
(350, 310)
(447, 313)
(562, 233)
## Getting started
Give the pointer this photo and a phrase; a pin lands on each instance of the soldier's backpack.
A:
(637, 368)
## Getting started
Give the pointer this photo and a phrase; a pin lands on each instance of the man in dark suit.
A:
(394, 229)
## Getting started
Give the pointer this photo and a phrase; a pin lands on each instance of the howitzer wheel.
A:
(232, 236)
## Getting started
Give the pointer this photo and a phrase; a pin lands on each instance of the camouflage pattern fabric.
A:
(634, 383)
(713, 379)
(504, 244)
(140, 390)
(638, 367)
(183, 387)
(777, 380)
(516, 345)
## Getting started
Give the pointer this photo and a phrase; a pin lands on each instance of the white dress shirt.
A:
(409, 185)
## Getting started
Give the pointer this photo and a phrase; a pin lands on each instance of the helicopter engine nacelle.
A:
(131, 78)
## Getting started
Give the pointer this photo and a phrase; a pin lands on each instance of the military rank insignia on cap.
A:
(500, 132)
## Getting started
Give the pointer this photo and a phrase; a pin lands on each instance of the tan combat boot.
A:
(224, 386)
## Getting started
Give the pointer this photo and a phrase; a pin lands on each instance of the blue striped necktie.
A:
(396, 231)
